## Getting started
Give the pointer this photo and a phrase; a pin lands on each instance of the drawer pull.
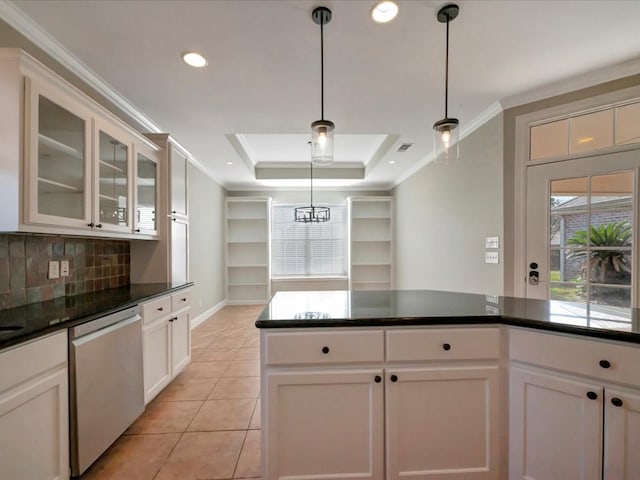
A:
(325, 350)
(377, 379)
(446, 346)
(592, 395)
(173, 319)
(160, 309)
(184, 300)
(394, 378)
(617, 402)
(605, 363)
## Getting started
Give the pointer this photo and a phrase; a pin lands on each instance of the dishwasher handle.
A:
(103, 322)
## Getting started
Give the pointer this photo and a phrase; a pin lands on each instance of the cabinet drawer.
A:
(321, 347)
(443, 344)
(181, 299)
(576, 355)
(156, 308)
(31, 359)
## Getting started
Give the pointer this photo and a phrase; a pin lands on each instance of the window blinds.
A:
(301, 249)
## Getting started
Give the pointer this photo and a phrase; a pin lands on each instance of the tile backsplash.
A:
(94, 264)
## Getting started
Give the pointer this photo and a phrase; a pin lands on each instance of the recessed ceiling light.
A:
(384, 12)
(229, 163)
(194, 59)
(391, 162)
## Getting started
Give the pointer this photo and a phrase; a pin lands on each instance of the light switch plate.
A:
(492, 242)
(64, 268)
(491, 257)
(54, 269)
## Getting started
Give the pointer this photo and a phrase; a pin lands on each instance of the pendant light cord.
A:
(446, 75)
(322, 67)
(311, 187)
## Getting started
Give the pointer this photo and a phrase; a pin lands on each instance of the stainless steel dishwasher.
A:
(106, 383)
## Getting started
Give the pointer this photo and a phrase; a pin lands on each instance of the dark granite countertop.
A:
(430, 307)
(27, 322)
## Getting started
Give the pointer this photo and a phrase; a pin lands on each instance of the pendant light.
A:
(446, 130)
(312, 214)
(322, 130)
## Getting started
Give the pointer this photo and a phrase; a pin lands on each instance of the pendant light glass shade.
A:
(445, 131)
(445, 139)
(322, 142)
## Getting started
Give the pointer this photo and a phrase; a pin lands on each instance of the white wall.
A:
(443, 214)
(206, 241)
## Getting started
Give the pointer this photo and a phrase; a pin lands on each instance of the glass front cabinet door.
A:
(146, 191)
(112, 187)
(58, 168)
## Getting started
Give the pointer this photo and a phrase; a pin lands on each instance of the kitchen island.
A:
(443, 385)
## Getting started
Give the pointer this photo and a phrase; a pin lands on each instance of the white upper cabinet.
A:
(58, 158)
(147, 202)
(69, 166)
(113, 175)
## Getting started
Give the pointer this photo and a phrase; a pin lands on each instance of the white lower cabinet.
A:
(328, 425)
(574, 408)
(621, 434)
(335, 407)
(441, 423)
(166, 340)
(34, 410)
(555, 427)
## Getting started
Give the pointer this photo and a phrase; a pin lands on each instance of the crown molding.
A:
(486, 115)
(571, 84)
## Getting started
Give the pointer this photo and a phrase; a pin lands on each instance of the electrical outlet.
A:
(54, 269)
(491, 257)
(492, 298)
(64, 268)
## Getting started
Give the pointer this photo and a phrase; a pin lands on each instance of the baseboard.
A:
(207, 313)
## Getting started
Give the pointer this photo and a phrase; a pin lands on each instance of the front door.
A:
(581, 222)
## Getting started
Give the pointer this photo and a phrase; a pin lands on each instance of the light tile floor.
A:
(206, 423)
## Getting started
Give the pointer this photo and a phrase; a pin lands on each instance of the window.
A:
(303, 249)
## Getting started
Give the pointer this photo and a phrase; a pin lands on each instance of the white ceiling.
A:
(384, 83)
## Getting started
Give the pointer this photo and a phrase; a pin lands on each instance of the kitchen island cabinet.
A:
(472, 387)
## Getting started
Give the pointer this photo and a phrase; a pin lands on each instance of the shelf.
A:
(373, 282)
(245, 242)
(246, 218)
(371, 264)
(257, 265)
(108, 197)
(240, 284)
(112, 167)
(371, 241)
(57, 186)
(372, 217)
(49, 146)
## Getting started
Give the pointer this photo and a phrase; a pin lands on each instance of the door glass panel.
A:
(113, 164)
(550, 139)
(592, 131)
(591, 240)
(61, 161)
(628, 124)
(146, 193)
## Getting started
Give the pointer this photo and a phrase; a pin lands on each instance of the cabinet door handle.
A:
(394, 378)
(160, 309)
(99, 225)
(446, 346)
(325, 350)
(137, 230)
(184, 299)
(173, 319)
(377, 378)
(592, 395)
(91, 225)
(617, 402)
(605, 363)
